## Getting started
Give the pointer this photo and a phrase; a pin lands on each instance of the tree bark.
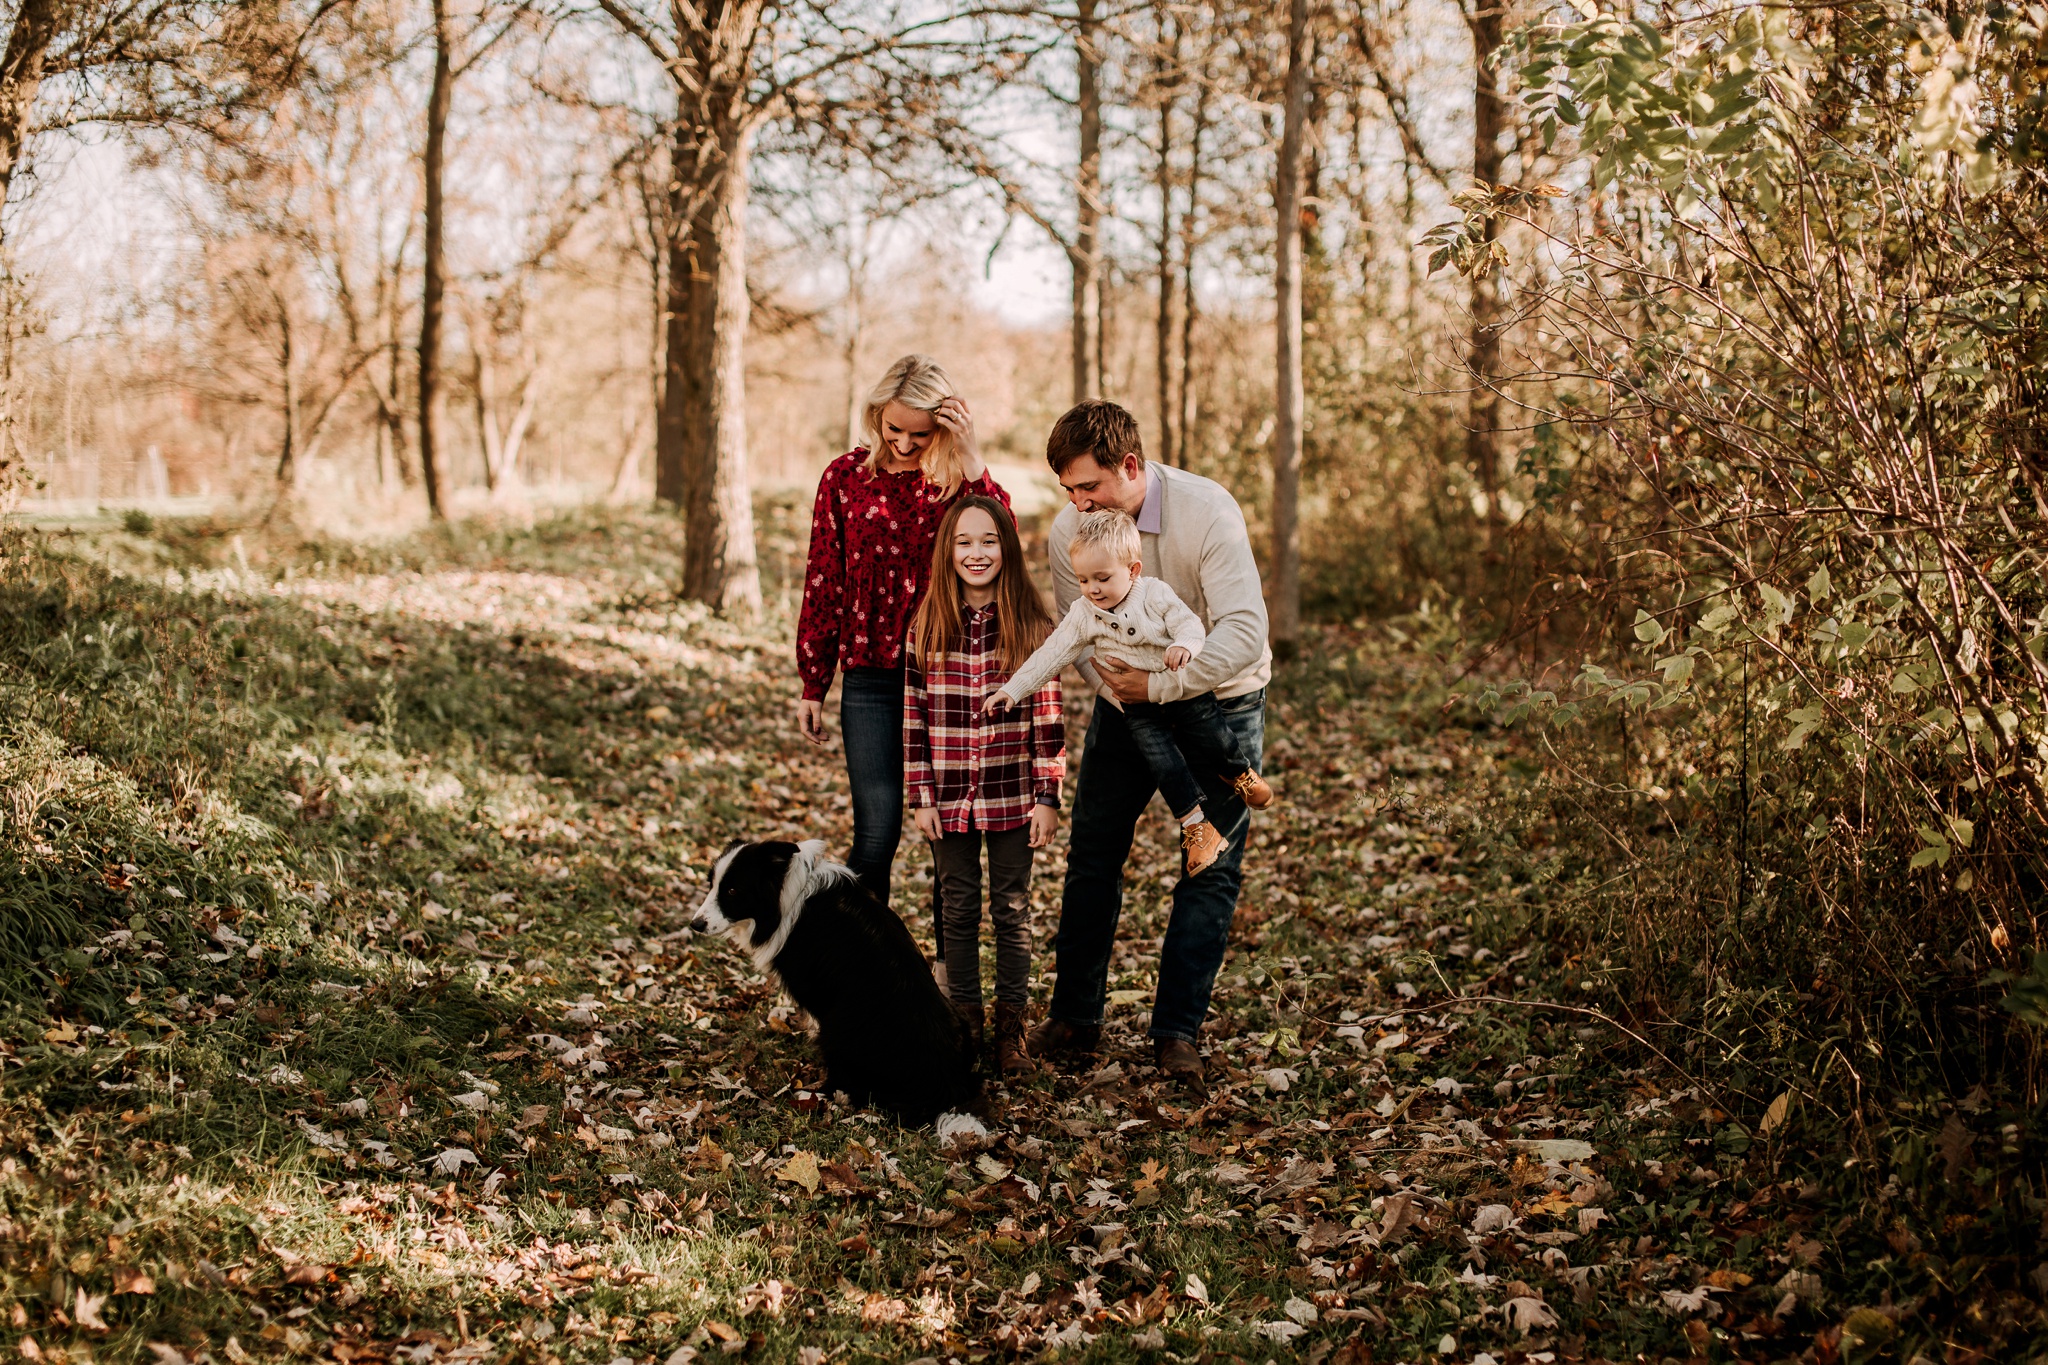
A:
(1289, 402)
(702, 440)
(21, 77)
(1085, 254)
(288, 448)
(1188, 239)
(440, 96)
(1489, 118)
(1168, 81)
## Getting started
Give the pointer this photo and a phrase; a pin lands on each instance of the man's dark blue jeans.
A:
(871, 721)
(1115, 785)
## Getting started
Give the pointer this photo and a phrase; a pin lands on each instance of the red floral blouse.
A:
(871, 553)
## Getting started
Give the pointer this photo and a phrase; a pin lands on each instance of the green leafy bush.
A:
(1794, 417)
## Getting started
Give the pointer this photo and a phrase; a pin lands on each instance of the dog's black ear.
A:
(752, 888)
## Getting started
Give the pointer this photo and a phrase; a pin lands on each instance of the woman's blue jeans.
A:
(1115, 785)
(871, 723)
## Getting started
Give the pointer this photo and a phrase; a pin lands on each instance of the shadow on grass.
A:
(229, 810)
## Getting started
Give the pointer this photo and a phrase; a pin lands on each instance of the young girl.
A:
(975, 778)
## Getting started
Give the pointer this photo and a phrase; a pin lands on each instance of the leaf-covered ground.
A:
(352, 1015)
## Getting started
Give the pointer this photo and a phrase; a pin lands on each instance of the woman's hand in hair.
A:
(927, 821)
(810, 720)
(953, 415)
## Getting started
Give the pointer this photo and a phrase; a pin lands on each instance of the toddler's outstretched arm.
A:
(1061, 648)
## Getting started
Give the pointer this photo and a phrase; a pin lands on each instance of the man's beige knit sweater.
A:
(1203, 552)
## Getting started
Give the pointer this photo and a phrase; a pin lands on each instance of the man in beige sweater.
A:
(1193, 537)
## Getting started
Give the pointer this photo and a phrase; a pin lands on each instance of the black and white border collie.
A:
(889, 1038)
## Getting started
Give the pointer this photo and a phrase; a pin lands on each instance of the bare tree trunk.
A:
(513, 442)
(1086, 252)
(702, 447)
(390, 408)
(1413, 288)
(483, 388)
(655, 207)
(1168, 81)
(287, 455)
(21, 77)
(1489, 118)
(680, 401)
(1285, 597)
(1188, 227)
(432, 285)
(390, 416)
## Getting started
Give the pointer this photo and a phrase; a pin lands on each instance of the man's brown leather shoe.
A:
(1057, 1037)
(1178, 1059)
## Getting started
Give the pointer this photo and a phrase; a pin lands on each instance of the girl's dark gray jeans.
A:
(956, 866)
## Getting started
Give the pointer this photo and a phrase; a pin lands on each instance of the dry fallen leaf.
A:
(1527, 1315)
(453, 1160)
(86, 1311)
(130, 1281)
(1492, 1218)
(801, 1169)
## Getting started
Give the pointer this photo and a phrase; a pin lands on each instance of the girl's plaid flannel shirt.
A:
(982, 772)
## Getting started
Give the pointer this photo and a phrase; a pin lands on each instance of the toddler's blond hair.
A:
(1113, 531)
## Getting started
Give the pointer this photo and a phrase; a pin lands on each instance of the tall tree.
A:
(1489, 119)
(1289, 400)
(450, 64)
(732, 68)
(35, 28)
(433, 263)
(1084, 252)
(1166, 82)
(1190, 230)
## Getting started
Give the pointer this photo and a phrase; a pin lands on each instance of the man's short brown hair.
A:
(1099, 429)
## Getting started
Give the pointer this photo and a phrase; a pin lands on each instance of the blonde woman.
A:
(872, 531)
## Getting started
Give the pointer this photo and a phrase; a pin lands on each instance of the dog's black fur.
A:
(889, 1037)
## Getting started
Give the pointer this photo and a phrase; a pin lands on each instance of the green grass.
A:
(306, 867)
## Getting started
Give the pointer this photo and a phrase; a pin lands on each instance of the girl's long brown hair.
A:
(1022, 622)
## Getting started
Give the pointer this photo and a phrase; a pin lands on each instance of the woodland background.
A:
(1662, 384)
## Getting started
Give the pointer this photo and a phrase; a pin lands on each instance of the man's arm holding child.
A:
(1237, 628)
(1180, 623)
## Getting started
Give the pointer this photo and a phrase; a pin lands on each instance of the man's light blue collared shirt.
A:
(1155, 495)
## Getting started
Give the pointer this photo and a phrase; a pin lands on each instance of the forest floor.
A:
(351, 1014)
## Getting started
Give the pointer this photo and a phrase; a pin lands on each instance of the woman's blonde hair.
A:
(916, 381)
